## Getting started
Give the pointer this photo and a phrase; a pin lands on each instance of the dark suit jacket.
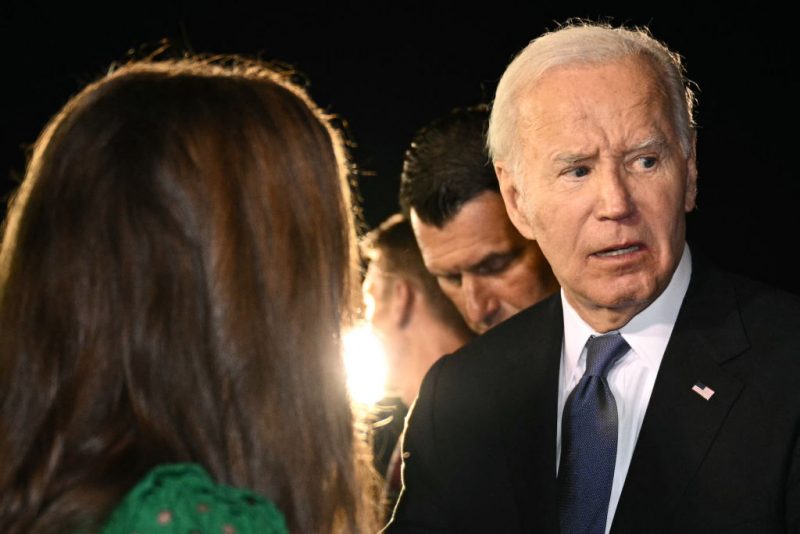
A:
(480, 444)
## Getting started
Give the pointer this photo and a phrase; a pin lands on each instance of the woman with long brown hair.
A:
(174, 274)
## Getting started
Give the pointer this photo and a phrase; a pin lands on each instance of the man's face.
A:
(483, 264)
(376, 291)
(380, 312)
(603, 186)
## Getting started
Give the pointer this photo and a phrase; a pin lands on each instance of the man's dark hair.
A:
(393, 240)
(447, 165)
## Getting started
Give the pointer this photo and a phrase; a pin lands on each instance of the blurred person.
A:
(660, 393)
(175, 271)
(416, 323)
(449, 191)
(406, 308)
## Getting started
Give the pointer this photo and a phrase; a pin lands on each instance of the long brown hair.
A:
(174, 273)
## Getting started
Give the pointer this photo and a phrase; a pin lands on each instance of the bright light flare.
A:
(365, 362)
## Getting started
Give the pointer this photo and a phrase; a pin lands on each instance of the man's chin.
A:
(627, 301)
(625, 292)
(624, 307)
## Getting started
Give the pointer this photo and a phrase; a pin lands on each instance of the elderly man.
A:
(661, 395)
(450, 193)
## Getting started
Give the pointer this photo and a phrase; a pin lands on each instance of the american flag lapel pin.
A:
(703, 390)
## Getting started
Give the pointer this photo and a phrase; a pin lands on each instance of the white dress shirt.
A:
(631, 379)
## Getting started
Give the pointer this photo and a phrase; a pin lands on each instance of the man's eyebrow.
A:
(656, 142)
(571, 158)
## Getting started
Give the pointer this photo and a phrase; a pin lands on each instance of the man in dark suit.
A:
(656, 393)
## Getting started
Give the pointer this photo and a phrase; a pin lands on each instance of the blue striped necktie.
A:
(589, 441)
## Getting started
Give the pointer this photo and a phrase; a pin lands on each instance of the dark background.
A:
(389, 68)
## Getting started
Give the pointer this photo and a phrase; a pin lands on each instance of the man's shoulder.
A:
(502, 348)
(770, 299)
(763, 319)
(756, 301)
(483, 381)
(771, 319)
(515, 336)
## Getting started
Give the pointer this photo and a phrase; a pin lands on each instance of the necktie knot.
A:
(602, 352)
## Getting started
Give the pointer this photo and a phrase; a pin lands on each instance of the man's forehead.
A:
(481, 229)
(565, 84)
(571, 108)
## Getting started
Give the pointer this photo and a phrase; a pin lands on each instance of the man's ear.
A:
(402, 304)
(690, 198)
(513, 199)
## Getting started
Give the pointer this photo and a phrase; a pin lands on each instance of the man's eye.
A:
(494, 266)
(647, 162)
(450, 279)
(578, 172)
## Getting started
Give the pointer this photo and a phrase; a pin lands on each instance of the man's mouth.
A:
(618, 251)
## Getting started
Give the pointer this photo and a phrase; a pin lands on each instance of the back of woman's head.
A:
(174, 273)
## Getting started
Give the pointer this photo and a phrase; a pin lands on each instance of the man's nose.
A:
(481, 305)
(614, 198)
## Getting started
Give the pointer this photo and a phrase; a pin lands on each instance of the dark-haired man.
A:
(450, 193)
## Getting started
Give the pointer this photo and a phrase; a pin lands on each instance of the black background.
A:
(388, 68)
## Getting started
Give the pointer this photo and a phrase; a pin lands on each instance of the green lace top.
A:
(182, 498)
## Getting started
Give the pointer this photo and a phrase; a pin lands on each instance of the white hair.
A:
(585, 43)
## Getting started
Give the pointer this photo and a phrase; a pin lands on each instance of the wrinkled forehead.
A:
(627, 91)
(633, 76)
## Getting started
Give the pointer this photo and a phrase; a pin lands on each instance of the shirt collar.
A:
(647, 333)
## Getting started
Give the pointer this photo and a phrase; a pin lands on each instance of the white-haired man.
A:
(659, 394)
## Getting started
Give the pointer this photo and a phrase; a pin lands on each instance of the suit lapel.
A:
(680, 425)
(528, 403)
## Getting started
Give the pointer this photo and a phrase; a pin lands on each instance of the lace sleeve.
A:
(182, 498)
